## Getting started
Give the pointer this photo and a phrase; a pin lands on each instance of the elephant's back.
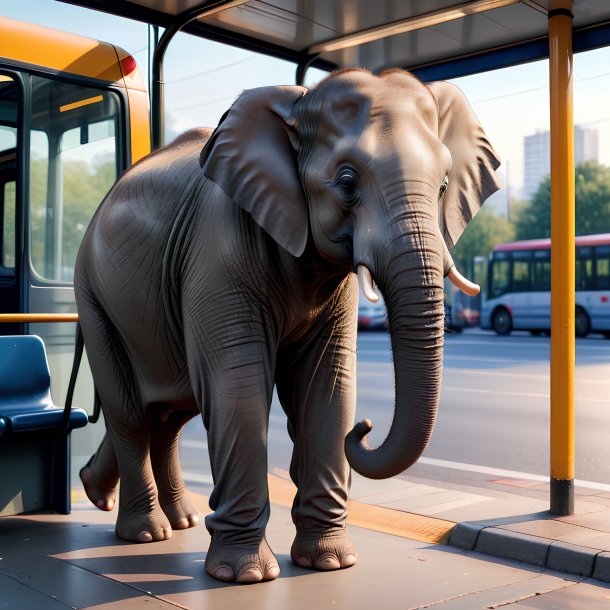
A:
(160, 181)
(126, 240)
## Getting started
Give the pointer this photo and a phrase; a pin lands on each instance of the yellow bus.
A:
(73, 116)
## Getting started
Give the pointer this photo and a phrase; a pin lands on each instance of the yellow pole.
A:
(562, 258)
(38, 317)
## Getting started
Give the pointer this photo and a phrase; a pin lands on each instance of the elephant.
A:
(227, 264)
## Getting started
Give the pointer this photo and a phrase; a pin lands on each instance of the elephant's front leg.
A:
(235, 386)
(317, 391)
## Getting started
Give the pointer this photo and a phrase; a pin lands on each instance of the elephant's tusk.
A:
(466, 286)
(366, 284)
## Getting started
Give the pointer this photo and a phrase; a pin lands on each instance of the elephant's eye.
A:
(347, 181)
(443, 188)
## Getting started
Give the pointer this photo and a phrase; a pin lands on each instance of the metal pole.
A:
(563, 301)
(157, 103)
(302, 68)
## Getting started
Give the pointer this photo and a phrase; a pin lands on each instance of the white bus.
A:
(519, 283)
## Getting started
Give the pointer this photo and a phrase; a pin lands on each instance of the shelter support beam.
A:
(204, 9)
(563, 302)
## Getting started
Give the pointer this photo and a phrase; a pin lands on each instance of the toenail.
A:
(272, 573)
(223, 573)
(304, 562)
(144, 537)
(250, 575)
(328, 563)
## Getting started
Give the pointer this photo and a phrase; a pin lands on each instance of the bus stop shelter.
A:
(437, 39)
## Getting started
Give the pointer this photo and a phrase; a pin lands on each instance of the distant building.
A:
(537, 155)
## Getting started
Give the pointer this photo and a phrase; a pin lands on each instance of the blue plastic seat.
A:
(30, 423)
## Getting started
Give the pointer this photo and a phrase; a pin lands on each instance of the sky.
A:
(203, 78)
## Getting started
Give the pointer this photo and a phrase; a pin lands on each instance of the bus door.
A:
(525, 310)
(540, 290)
(75, 155)
(59, 155)
(10, 263)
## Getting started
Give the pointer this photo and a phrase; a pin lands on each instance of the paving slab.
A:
(76, 560)
(514, 524)
(580, 596)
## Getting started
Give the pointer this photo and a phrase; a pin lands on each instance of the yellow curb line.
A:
(376, 518)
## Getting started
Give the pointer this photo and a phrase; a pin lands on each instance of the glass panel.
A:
(584, 269)
(521, 276)
(9, 200)
(500, 277)
(541, 274)
(9, 98)
(602, 267)
(73, 165)
(39, 166)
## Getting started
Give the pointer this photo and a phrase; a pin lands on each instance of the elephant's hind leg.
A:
(100, 476)
(140, 518)
(164, 450)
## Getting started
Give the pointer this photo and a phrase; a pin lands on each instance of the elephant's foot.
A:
(151, 526)
(325, 550)
(100, 484)
(233, 558)
(180, 512)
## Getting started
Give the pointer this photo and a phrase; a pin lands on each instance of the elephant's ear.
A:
(251, 158)
(472, 178)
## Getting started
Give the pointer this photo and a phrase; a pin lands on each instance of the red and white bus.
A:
(518, 293)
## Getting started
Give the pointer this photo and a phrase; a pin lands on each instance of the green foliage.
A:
(84, 185)
(484, 232)
(592, 205)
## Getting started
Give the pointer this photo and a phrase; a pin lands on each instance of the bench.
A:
(34, 433)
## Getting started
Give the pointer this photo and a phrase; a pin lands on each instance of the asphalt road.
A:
(494, 411)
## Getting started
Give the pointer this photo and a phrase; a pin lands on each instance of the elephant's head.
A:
(384, 173)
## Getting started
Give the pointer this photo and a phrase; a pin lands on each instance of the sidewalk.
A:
(507, 518)
(422, 544)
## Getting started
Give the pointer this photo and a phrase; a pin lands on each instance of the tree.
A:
(480, 237)
(592, 190)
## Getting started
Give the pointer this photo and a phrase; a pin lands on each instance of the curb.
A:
(534, 550)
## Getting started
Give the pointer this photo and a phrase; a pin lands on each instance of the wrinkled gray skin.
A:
(203, 281)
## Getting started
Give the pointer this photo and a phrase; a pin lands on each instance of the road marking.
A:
(511, 474)
(457, 388)
(188, 443)
(541, 377)
(197, 477)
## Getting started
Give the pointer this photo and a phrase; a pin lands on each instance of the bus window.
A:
(73, 164)
(602, 267)
(8, 207)
(584, 268)
(521, 272)
(8, 157)
(500, 277)
(541, 271)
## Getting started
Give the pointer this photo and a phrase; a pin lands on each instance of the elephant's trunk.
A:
(413, 290)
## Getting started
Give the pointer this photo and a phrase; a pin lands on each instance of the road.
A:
(494, 410)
